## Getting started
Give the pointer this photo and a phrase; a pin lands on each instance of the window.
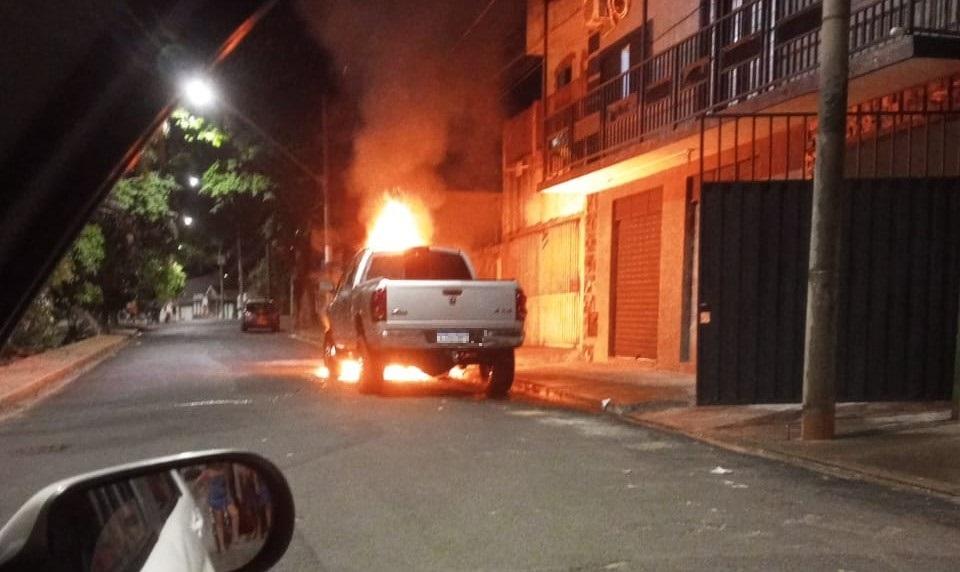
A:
(593, 43)
(419, 264)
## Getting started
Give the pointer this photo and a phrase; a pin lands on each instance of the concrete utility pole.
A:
(266, 256)
(327, 249)
(543, 95)
(820, 366)
(956, 375)
(239, 274)
(220, 261)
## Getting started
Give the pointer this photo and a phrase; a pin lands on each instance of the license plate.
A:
(453, 337)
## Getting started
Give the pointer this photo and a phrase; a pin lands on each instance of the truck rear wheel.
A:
(501, 374)
(371, 374)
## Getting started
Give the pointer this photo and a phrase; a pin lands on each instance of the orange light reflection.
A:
(458, 373)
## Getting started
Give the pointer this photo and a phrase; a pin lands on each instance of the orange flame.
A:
(350, 370)
(458, 373)
(404, 373)
(395, 228)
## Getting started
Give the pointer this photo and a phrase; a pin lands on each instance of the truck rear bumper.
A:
(432, 339)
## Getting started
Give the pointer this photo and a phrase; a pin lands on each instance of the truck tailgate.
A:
(451, 303)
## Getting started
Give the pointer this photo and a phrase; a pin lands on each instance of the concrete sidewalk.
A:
(38, 374)
(909, 444)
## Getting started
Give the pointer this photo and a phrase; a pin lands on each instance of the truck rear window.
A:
(418, 265)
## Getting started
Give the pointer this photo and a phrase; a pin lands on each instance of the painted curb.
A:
(35, 388)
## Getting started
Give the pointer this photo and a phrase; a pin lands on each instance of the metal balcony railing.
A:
(754, 49)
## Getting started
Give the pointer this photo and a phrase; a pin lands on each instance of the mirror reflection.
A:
(206, 518)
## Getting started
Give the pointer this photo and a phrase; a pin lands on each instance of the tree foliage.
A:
(198, 129)
(146, 195)
(162, 278)
(229, 178)
(133, 249)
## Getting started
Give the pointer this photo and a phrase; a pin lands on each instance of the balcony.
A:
(755, 50)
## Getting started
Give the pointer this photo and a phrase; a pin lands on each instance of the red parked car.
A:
(261, 314)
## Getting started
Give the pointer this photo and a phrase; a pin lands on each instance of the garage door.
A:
(635, 296)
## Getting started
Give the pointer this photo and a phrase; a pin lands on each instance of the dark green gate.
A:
(900, 284)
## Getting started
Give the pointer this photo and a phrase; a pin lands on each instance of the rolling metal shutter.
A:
(635, 296)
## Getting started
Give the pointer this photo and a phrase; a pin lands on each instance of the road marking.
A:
(528, 413)
(207, 402)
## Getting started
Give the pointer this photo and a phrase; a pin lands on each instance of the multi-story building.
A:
(644, 101)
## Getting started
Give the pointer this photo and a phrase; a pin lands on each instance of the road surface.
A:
(438, 478)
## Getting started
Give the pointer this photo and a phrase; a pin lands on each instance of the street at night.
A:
(439, 478)
(532, 285)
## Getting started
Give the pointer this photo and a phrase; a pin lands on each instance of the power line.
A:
(474, 24)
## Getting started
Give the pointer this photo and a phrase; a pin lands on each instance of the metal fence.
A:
(880, 144)
(756, 48)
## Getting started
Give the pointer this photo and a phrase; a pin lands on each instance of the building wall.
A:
(567, 40)
(673, 183)
(543, 239)
(531, 219)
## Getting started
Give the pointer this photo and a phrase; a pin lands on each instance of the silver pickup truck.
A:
(423, 307)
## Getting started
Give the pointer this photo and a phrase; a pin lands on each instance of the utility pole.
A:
(543, 94)
(820, 365)
(220, 261)
(955, 414)
(239, 274)
(327, 250)
(266, 256)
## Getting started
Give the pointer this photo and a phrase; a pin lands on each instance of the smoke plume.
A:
(429, 95)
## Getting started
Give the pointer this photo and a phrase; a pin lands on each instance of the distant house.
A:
(201, 299)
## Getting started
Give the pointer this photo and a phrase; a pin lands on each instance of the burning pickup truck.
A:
(423, 307)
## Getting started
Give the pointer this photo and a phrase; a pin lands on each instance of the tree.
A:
(57, 314)
(163, 278)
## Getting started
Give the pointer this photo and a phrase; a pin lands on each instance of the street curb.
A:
(58, 379)
(847, 472)
(568, 399)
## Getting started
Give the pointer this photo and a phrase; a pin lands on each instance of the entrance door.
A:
(635, 292)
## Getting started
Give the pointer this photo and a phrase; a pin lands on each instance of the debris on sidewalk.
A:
(718, 470)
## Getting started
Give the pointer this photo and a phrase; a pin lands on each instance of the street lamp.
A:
(193, 181)
(187, 220)
(198, 92)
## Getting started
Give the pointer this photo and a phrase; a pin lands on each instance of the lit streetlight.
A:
(187, 220)
(198, 92)
(193, 181)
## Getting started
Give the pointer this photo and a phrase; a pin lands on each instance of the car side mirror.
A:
(215, 510)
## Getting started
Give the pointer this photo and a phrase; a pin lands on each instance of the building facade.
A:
(644, 102)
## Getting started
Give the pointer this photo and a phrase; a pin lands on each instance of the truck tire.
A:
(371, 375)
(501, 374)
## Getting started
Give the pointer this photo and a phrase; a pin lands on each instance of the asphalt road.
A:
(437, 478)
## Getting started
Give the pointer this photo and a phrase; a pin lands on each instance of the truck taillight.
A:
(521, 310)
(378, 305)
